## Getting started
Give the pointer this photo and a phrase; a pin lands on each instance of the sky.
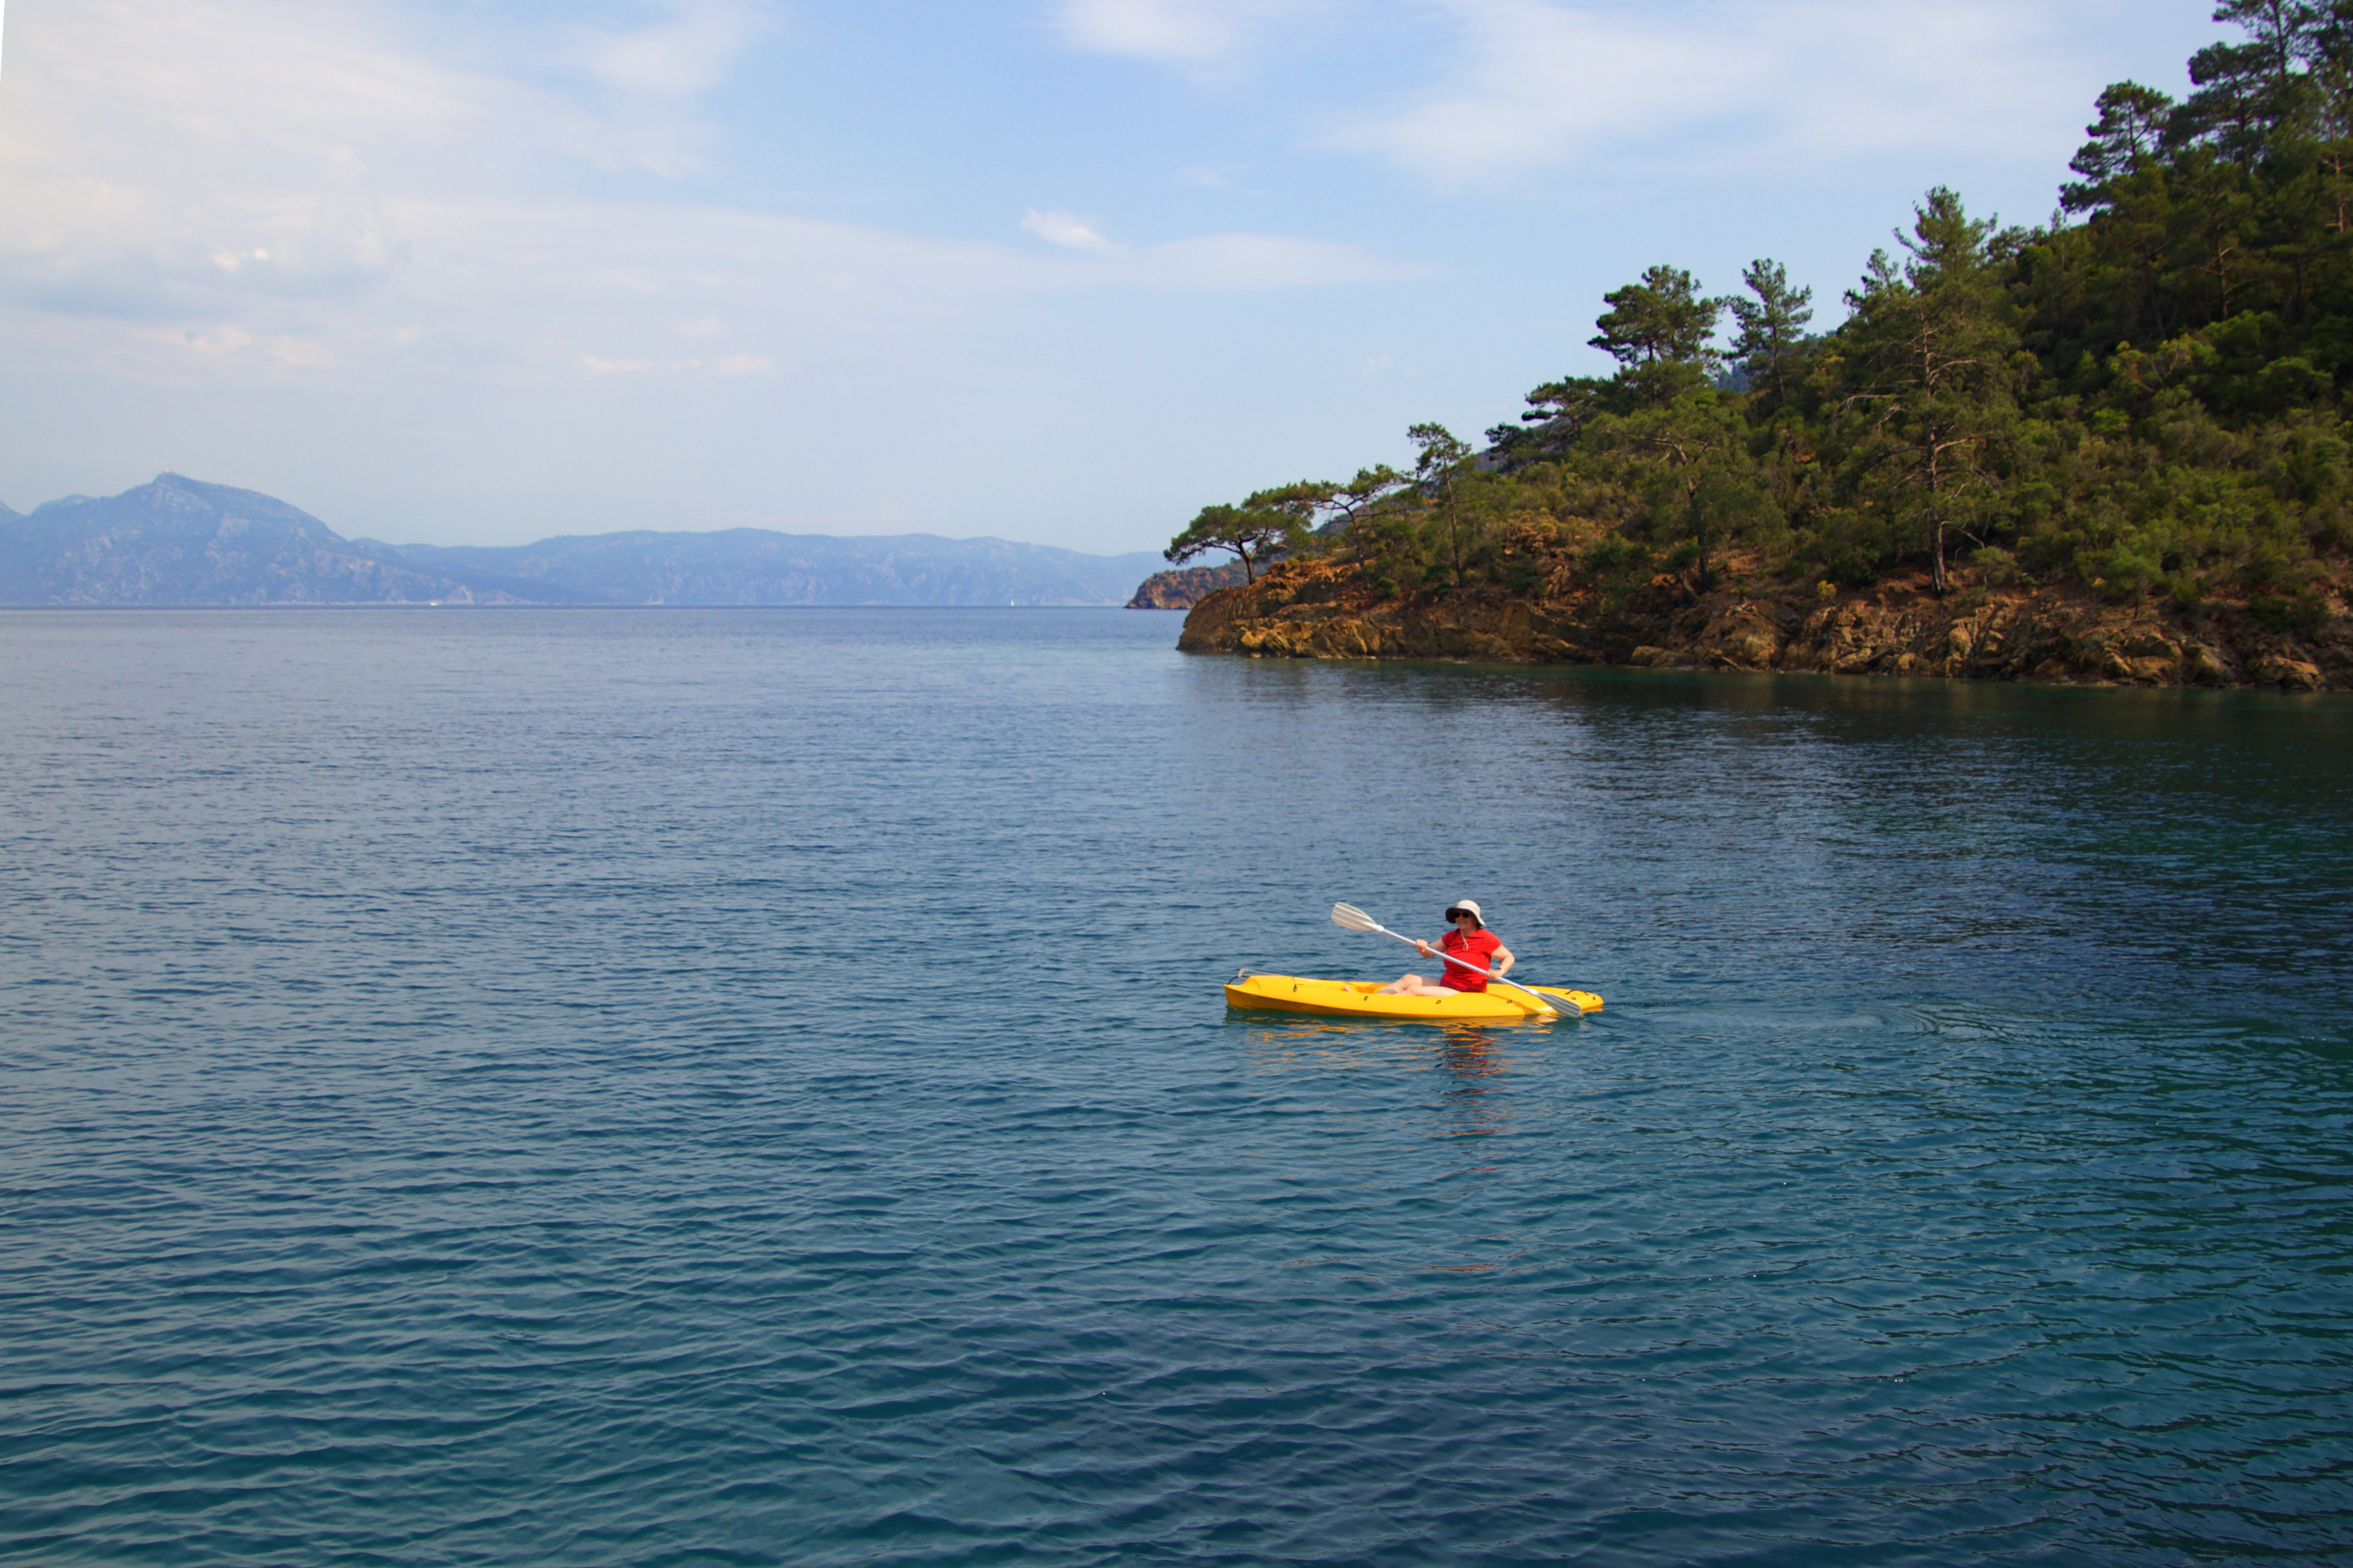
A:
(1062, 272)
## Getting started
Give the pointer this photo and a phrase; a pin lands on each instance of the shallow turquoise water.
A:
(728, 1087)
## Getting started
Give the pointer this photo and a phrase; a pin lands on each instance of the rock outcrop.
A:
(1183, 589)
(1325, 609)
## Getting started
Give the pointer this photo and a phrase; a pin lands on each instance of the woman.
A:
(1470, 941)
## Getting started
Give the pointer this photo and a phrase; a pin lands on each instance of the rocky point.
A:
(1325, 608)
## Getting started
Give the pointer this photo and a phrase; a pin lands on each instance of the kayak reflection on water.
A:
(1469, 1051)
(1477, 1102)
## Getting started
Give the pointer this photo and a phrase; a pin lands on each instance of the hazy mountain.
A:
(181, 542)
(754, 566)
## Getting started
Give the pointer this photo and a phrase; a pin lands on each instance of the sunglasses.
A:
(1461, 915)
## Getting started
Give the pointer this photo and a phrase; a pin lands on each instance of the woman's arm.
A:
(1504, 959)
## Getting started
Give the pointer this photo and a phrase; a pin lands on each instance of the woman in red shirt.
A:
(1471, 941)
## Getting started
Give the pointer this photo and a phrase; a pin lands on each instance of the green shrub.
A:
(2305, 614)
(1615, 555)
(1998, 566)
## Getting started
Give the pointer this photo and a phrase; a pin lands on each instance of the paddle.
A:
(1355, 919)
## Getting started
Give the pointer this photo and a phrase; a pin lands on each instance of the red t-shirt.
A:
(1479, 947)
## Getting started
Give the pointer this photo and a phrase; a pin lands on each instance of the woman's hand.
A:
(1424, 948)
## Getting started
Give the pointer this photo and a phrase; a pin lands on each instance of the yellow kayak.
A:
(1355, 999)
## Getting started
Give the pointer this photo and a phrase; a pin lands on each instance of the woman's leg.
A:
(1411, 985)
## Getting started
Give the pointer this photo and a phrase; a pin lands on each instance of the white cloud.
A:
(309, 174)
(394, 210)
(163, 161)
(299, 353)
(1173, 32)
(1217, 261)
(227, 340)
(1537, 83)
(1070, 231)
(1265, 261)
(1184, 31)
(727, 366)
(691, 52)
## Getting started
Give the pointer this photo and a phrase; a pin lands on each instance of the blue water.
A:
(736, 1087)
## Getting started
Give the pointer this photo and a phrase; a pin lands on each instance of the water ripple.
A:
(571, 1088)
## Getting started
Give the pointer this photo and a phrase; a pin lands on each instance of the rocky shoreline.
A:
(1325, 609)
(1186, 587)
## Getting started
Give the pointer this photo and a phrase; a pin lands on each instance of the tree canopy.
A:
(1257, 529)
(2148, 395)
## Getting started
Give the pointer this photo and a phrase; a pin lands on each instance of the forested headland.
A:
(2113, 447)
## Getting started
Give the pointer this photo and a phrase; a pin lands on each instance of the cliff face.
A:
(1183, 589)
(1324, 609)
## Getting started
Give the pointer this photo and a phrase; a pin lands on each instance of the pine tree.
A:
(1772, 327)
(1441, 469)
(1689, 462)
(2127, 137)
(1255, 533)
(1657, 331)
(1930, 348)
(2247, 91)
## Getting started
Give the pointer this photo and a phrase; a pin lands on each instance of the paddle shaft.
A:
(1441, 953)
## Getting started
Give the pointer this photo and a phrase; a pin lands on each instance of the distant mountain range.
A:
(181, 542)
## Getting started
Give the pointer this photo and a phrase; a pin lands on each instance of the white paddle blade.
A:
(1355, 919)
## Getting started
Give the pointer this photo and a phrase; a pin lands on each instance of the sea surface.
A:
(681, 1087)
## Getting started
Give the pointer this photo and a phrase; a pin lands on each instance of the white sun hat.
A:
(1464, 906)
